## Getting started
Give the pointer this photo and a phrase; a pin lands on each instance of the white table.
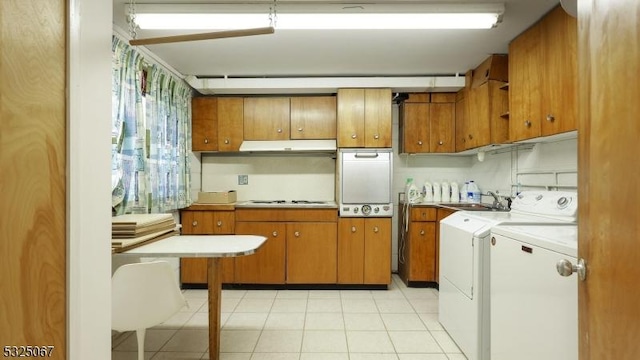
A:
(212, 247)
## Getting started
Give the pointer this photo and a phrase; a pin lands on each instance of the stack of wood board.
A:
(132, 230)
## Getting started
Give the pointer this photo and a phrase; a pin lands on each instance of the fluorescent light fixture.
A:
(345, 17)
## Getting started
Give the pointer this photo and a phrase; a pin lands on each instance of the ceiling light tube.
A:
(323, 16)
(317, 21)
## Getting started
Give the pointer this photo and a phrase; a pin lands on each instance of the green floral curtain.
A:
(151, 135)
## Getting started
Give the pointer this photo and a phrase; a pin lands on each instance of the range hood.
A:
(288, 146)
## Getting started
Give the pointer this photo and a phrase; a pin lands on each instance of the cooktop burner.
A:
(269, 201)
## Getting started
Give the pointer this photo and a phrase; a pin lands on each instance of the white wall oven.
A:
(365, 180)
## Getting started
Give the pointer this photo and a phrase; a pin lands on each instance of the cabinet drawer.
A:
(423, 214)
(207, 222)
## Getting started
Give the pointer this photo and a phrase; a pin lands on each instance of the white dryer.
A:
(534, 310)
(464, 304)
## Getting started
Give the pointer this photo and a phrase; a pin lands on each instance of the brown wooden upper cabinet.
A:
(364, 118)
(313, 117)
(230, 123)
(428, 126)
(543, 78)
(216, 123)
(482, 106)
(266, 118)
(204, 123)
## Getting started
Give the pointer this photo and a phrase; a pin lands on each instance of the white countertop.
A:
(205, 246)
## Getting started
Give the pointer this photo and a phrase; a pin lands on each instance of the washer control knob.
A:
(563, 202)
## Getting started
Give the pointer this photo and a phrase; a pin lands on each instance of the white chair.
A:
(144, 295)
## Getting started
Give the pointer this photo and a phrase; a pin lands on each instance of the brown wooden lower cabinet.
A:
(312, 253)
(418, 247)
(193, 271)
(267, 265)
(364, 251)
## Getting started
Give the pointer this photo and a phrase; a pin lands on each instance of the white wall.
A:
(313, 177)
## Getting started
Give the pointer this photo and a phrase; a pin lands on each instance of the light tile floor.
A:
(397, 324)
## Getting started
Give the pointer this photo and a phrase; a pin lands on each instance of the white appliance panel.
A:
(534, 312)
(366, 177)
(457, 263)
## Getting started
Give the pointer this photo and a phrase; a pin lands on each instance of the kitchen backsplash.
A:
(270, 177)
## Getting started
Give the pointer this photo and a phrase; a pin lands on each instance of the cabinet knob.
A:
(219, 223)
(300, 129)
(353, 136)
(470, 137)
(421, 232)
(376, 229)
(440, 143)
(419, 142)
(296, 234)
(527, 123)
(279, 130)
(376, 136)
(274, 234)
(194, 223)
(206, 141)
(550, 117)
(353, 229)
(226, 141)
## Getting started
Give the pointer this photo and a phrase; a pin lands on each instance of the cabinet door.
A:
(422, 251)
(351, 234)
(559, 34)
(462, 111)
(313, 117)
(204, 124)
(312, 253)
(415, 127)
(266, 118)
(525, 72)
(194, 270)
(267, 265)
(230, 123)
(377, 118)
(377, 251)
(350, 117)
(442, 127)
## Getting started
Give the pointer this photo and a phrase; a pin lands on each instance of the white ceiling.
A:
(318, 53)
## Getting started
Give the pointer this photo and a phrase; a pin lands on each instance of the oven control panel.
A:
(366, 210)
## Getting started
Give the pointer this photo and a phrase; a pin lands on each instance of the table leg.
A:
(214, 280)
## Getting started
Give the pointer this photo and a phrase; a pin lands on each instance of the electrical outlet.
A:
(243, 179)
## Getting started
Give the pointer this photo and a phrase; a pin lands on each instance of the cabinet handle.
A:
(300, 129)
(419, 142)
(274, 234)
(376, 229)
(219, 223)
(279, 130)
(296, 234)
(353, 229)
(421, 232)
(206, 141)
(550, 117)
(376, 136)
(194, 223)
(527, 123)
(353, 136)
(226, 141)
(440, 143)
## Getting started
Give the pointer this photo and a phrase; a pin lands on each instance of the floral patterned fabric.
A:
(151, 136)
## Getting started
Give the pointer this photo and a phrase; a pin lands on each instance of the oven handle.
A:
(367, 155)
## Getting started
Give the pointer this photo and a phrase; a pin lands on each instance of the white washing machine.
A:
(534, 310)
(464, 306)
